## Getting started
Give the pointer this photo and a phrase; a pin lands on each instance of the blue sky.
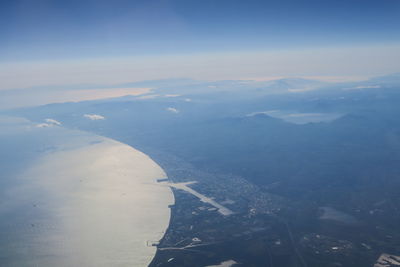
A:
(44, 29)
(45, 43)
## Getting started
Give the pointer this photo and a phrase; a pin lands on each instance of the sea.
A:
(71, 198)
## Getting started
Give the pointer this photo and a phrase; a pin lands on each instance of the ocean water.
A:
(83, 200)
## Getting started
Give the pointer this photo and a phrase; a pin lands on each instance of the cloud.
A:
(43, 125)
(172, 95)
(148, 96)
(188, 100)
(53, 121)
(363, 87)
(299, 115)
(94, 117)
(300, 90)
(262, 113)
(173, 110)
(48, 123)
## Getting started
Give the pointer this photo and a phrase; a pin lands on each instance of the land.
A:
(283, 189)
(262, 230)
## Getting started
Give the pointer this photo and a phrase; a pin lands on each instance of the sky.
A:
(49, 42)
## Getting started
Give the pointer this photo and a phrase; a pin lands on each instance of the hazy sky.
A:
(45, 42)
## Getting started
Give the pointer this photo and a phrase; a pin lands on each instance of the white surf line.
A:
(184, 186)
